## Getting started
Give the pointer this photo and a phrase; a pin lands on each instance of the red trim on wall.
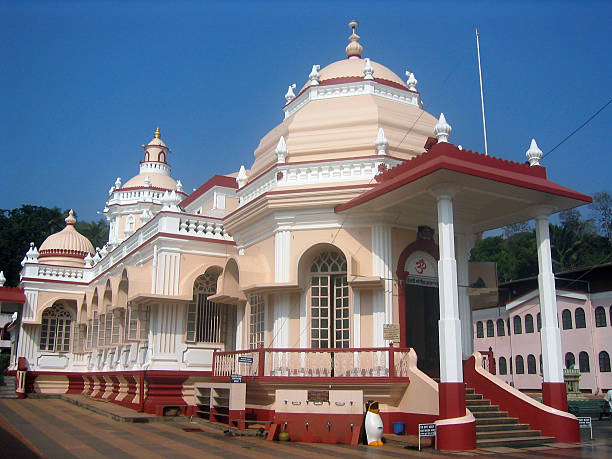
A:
(76, 384)
(563, 428)
(163, 389)
(216, 180)
(425, 246)
(115, 391)
(12, 295)
(457, 437)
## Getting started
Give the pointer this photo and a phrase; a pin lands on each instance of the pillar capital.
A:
(444, 190)
(544, 211)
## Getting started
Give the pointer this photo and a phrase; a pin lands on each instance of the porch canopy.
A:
(489, 192)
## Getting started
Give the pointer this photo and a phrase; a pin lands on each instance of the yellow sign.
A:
(391, 332)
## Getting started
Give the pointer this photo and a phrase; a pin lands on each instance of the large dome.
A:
(66, 247)
(154, 180)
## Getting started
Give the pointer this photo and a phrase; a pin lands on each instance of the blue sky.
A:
(85, 83)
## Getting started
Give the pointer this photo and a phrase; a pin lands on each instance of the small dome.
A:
(67, 243)
(154, 180)
(353, 68)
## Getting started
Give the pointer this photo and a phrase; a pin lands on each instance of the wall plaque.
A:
(318, 396)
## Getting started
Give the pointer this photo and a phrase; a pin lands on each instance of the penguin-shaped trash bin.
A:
(373, 424)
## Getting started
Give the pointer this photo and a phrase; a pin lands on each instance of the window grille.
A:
(566, 319)
(136, 323)
(604, 362)
(503, 369)
(570, 360)
(518, 325)
(600, 317)
(520, 365)
(531, 364)
(490, 329)
(55, 329)
(256, 321)
(479, 330)
(528, 323)
(79, 335)
(580, 318)
(583, 362)
(206, 321)
(329, 301)
(101, 328)
(501, 331)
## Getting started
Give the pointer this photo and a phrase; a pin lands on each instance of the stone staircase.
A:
(495, 428)
(8, 389)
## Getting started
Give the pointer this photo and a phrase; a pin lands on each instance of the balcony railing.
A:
(369, 362)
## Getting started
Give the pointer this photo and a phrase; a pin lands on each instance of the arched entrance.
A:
(419, 303)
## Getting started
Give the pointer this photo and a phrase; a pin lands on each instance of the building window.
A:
(510, 362)
(503, 369)
(206, 321)
(55, 329)
(566, 319)
(520, 365)
(256, 321)
(137, 323)
(92, 331)
(583, 362)
(79, 336)
(540, 363)
(508, 327)
(518, 326)
(531, 364)
(580, 319)
(500, 328)
(539, 321)
(528, 323)
(570, 360)
(600, 317)
(604, 362)
(490, 329)
(101, 327)
(329, 301)
(479, 330)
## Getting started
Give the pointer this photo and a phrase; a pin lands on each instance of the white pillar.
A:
(451, 369)
(240, 325)
(282, 253)
(552, 363)
(280, 329)
(465, 242)
(382, 301)
(282, 273)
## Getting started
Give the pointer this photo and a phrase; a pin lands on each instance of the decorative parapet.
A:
(314, 173)
(352, 88)
(206, 227)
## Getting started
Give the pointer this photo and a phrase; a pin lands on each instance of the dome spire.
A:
(157, 133)
(354, 48)
(70, 219)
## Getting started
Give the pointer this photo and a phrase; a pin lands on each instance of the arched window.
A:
(540, 363)
(583, 362)
(490, 329)
(508, 327)
(528, 323)
(600, 317)
(539, 320)
(479, 330)
(604, 362)
(206, 321)
(55, 329)
(501, 329)
(531, 364)
(520, 365)
(566, 319)
(518, 325)
(570, 360)
(510, 362)
(329, 301)
(580, 319)
(503, 369)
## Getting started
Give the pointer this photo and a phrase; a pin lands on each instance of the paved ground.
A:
(53, 428)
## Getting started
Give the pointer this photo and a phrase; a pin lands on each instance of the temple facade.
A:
(333, 269)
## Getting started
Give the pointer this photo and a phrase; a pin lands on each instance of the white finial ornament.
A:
(442, 130)
(290, 94)
(412, 81)
(2, 279)
(147, 181)
(368, 70)
(88, 260)
(32, 254)
(179, 186)
(118, 183)
(381, 143)
(242, 177)
(534, 154)
(281, 151)
(314, 76)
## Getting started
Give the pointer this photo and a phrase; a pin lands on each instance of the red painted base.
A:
(451, 399)
(319, 428)
(555, 395)
(457, 437)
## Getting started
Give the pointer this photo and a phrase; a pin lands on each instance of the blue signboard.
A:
(245, 359)
(236, 378)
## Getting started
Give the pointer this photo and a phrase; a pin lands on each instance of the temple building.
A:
(332, 270)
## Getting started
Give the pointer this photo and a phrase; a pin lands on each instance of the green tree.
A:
(96, 232)
(602, 210)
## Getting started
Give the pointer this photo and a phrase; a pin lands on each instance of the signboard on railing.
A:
(585, 423)
(426, 430)
(236, 378)
(245, 359)
(391, 332)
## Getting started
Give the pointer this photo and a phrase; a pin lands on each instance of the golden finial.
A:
(157, 133)
(354, 48)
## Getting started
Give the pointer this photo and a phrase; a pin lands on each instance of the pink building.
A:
(584, 314)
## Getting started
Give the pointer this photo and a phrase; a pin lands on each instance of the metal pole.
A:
(484, 123)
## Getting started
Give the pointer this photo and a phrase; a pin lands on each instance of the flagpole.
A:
(484, 123)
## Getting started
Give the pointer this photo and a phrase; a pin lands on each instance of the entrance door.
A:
(422, 316)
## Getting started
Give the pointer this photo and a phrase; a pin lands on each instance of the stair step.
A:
(477, 402)
(487, 421)
(470, 391)
(473, 397)
(500, 426)
(518, 442)
(483, 408)
(490, 414)
(508, 434)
